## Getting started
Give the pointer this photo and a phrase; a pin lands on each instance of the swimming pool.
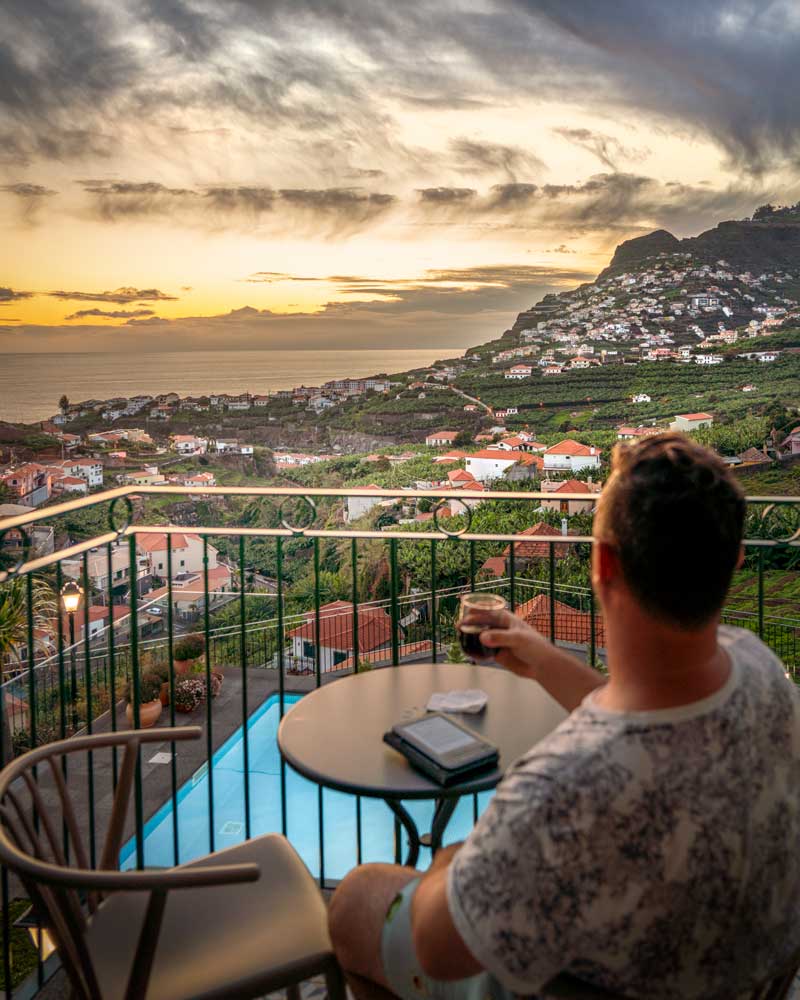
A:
(302, 809)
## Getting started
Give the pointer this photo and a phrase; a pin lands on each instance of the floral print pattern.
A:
(656, 854)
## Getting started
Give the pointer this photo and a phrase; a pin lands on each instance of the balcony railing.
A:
(298, 604)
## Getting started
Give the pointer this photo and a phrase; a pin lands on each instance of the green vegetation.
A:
(22, 954)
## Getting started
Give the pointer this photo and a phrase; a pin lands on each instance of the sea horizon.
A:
(30, 390)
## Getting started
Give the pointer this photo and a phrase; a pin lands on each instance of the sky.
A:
(323, 174)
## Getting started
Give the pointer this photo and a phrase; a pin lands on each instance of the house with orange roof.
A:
(29, 484)
(187, 553)
(572, 456)
(438, 439)
(69, 484)
(454, 455)
(570, 625)
(492, 463)
(494, 566)
(561, 504)
(526, 551)
(335, 634)
(625, 433)
(691, 421)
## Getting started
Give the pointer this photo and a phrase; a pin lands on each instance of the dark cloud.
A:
(115, 200)
(503, 197)
(29, 197)
(477, 156)
(120, 296)
(72, 83)
(606, 148)
(9, 295)
(235, 199)
(27, 190)
(446, 195)
(111, 314)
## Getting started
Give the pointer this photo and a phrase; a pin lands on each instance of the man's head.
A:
(669, 527)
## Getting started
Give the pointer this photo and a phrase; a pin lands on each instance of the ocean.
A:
(32, 384)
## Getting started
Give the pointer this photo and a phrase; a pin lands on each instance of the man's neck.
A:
(652, 665)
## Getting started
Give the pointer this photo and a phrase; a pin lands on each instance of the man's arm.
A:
(439, 947)
(523, 650)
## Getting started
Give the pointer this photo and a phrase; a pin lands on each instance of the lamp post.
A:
(71, 597)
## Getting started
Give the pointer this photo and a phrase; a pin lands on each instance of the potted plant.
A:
(161, 670)
(217, 677)
(190, 693)
(186, 651)
(149, 700)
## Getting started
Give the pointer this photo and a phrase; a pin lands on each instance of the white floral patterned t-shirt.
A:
(656, 854)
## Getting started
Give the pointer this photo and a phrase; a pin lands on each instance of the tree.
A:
(63, 404)
(14, 614)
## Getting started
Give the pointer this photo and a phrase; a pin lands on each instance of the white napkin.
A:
(470, 701)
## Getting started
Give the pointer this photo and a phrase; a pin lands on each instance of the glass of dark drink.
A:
(476, 613)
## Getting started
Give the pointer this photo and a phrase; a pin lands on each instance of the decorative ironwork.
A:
(129, 514)
(298, 529)
(446, 501)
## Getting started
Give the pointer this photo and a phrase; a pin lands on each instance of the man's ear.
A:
(606, 564)
(740, 560)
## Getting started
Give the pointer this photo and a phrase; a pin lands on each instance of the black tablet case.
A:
(441, 775)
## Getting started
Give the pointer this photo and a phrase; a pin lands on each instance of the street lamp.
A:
(71, 597)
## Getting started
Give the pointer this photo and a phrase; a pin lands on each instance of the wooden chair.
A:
(239, 923)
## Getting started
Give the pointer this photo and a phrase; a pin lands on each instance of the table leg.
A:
(407, 823)
(441, 817)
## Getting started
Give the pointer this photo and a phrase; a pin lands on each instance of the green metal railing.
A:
(400, 610)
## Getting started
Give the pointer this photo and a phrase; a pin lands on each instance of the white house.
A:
(88, 469)
(708, 359)
(188, 444)
(187, 553)
(518, 372)
(355, 507)
(641, 397)
(336, 634)
(691, 421)
(552, 370)
(439, 438)
(491, 463)
(571, 455)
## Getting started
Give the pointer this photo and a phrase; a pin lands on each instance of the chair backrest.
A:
(42, 842)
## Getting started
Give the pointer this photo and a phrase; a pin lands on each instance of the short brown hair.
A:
(675, 514)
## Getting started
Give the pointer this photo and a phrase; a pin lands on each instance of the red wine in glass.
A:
(475, 615)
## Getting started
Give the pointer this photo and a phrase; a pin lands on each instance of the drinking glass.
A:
(477, 611)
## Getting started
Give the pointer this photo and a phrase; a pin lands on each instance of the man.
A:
(651, 844)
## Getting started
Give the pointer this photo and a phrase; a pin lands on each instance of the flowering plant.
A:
(189, 693)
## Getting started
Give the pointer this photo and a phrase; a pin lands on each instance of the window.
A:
(161, 565)
(339, 656)
(183, 562)
(565, 506)
(308, 649)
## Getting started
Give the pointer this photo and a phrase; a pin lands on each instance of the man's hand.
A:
(519, 647)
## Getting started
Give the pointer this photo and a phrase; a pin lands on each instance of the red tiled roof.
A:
(695, 416)
(443, 435)
(498, 453)
(570, 447)
(571, 625)
(336, 627)
(496, 565)
(460, 476)
(537, 550)
(156, 542)
(574, 486)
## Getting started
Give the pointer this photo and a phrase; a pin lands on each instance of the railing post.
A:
(393, 597)
(171, 676)
(354, 571)
(434, 611)
(209, 733)
(243, 657)
(138, 802)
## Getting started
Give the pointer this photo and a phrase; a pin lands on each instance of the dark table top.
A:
(334, 735)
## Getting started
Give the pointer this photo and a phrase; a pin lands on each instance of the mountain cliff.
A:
(756, 246)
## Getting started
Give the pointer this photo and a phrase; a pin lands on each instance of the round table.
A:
(334, 735)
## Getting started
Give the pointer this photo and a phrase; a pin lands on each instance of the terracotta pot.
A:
(148, 713)
(164, 694)
(182, 666)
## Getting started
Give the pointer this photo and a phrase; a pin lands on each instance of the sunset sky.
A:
(184, 174)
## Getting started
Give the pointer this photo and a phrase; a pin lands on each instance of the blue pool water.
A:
(302, 809)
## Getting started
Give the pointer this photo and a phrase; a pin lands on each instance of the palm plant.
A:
(14, 614)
